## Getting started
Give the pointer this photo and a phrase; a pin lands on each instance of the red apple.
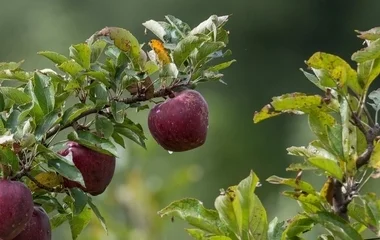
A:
(180, 123)
(97, 168)
(16, 207)
(38, 228)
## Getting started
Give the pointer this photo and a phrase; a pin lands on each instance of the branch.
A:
(341, 199)
(164, 92)
(340, 202)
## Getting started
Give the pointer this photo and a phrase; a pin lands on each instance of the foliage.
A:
(106, 76)
(345, 152)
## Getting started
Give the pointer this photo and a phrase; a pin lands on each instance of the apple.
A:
(97, 168)
(38, 228)
(16, 207)
(181, 122)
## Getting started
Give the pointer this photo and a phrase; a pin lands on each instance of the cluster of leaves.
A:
(346, 152)
(103, 77)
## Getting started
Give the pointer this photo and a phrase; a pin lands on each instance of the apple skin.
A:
(97, 168)
(16, 207)
(38, 228)
(181, 122)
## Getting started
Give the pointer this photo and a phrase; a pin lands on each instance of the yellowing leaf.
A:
(158, 48)
(330, 68)
(48, 179)
(375, 157)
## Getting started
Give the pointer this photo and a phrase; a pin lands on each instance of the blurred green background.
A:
(270, 41)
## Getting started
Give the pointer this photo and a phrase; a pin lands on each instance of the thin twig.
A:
(134, 99)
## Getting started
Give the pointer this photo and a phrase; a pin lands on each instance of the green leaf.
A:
(369, 53)
(156, 28)
(10, 65)
(296, 103)
(230, 212)
(294, 183)
(15, 75)
(312, 78)
(58, 219)
(182, 27)
(201, 235)
(81, 53)
(93, 142)
(275, 229)
(334, 136)
(12, 121)
(54, 57)
(71, 67)
(333, 71)
(80, 200)
(368, 71)
(206, 50)
(327, 165)
(304, 166)
(184, 48)
(209, 25)
(298, 225)
(374, 160)
(50, 120)
(318, 122)
(193, 212)
(254, 217)
(336, 225)
(118, 111)
(220, 66)
(375, 97)
(9, 157)
(132, 131)
(360, 214)
(79, 222)
(99, 76)
(44, 92)
(16, 95)
(63, 165)
(169, 70)
(372, 34)
(97, 49)
(118, 139)
(314, 149)
(310, 203)
(74, 112)
(104, 125)
(98, 215)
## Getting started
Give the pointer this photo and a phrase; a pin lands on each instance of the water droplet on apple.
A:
(170, 152)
